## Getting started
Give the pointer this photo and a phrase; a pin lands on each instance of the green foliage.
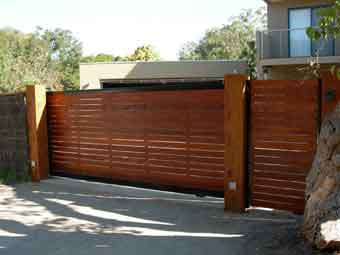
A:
(329, 23)
(335, 70)
(232, 41)
(49, 58)
(190, 51)
(65, 51)
(328, 27)
(144, 53)
(23, 61)
(8, 176)
(120, 58)
(249, 54)
(98, 58)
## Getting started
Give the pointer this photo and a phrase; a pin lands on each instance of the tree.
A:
(328, 28)
(322, 210)
(101, 57)
(190, 51)
(46, 57)
(329, 23)
(121, 59)
(144, 53)
(23, 61)
(66, 51)
(249, 54)
(232, 41)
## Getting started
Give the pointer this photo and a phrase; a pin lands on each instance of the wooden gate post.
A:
(235, 141)
(37, 132)
(330, 94)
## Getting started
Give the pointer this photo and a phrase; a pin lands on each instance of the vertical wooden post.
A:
(37, 132)
(330, 94)
(235, 125)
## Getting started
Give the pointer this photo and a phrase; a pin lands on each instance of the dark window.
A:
(300, 44)
(160, 84)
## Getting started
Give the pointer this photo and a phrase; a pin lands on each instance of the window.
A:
(300, 44)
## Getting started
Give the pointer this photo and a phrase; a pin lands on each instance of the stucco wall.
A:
(91, 74)
(278, 12)
(294, 72)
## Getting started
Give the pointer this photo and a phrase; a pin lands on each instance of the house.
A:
(122, 74)
(284, 49)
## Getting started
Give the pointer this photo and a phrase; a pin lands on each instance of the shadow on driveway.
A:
(63, 216)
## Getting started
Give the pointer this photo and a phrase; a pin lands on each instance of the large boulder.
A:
(322, 211)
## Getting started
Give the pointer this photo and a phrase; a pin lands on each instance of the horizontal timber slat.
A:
(293, 207)
(278, 198)
(161, 137)
(284, 117)
(269, 182)
(280, 176)
(275, 190)
(275, 167)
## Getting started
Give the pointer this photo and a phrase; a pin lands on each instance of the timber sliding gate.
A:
(195, 137)
(167, 137)
(283, 128)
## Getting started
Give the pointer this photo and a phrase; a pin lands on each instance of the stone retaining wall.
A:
(13, 135)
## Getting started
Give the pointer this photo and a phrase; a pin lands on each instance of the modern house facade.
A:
(284, 49)
(122, 74)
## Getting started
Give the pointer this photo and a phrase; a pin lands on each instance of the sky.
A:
(118, 27)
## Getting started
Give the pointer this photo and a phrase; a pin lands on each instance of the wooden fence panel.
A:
(160, 137)
(284, 125)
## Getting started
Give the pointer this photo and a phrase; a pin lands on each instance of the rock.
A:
(322, 211)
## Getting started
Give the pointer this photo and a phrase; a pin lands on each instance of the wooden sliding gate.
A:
(166, 137)
(284, 123)
(176, 137)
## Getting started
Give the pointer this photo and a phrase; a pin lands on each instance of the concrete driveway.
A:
(70, 217)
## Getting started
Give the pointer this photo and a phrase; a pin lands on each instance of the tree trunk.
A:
(322, 211)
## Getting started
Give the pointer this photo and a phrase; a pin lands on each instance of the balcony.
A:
(293, 46)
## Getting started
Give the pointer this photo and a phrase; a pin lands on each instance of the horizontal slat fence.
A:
(283, 131)
(171, 137)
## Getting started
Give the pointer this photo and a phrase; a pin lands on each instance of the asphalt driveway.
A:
(63, 216)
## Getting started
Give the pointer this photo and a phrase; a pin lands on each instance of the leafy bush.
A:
(9, 176)
(46, 57)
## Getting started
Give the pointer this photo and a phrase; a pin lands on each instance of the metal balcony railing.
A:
(289, 43)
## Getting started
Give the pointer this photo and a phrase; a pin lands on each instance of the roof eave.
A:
(273, 1)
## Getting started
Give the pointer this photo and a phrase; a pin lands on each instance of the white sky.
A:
(118, 27)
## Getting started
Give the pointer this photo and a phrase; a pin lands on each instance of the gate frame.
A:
(236, 114)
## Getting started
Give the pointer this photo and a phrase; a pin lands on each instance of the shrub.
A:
(8, 176)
